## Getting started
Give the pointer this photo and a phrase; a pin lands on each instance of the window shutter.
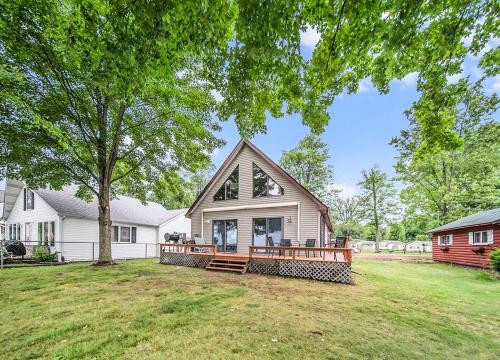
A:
(450, 239)
(471, 238)
(24, 199)
(490, 236)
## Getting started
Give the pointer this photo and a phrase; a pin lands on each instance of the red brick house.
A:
(469, 240)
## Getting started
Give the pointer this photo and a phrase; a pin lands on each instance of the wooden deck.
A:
(326, 264)
(265, 252)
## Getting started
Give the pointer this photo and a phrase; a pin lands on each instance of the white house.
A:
(420, 246)
(391, 245)
(69, 225)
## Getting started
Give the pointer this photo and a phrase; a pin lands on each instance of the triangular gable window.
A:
(264, 185)
(229, 190)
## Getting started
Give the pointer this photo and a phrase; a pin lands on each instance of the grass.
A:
(141, 309)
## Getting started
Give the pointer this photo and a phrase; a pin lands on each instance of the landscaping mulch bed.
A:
(8, 263)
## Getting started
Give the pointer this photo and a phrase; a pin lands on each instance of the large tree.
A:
(101, 92)
(377, 200)
(98, 92)
(308, 164)
(453, 183)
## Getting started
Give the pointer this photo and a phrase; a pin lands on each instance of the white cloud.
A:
(310, 37)
(410, 79)
(346, 190)
(365, 85)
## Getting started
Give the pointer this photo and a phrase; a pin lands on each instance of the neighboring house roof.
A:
(481, 218)
(323, 208)
(12, 190)
(123, 208)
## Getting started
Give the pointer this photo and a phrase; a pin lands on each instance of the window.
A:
(481, 237)
(263, 228)
(27, 232)
(29, 199)
(229, 190)
(264, 185)
(445, 240)
(15, 231)
(46, 233)
(124, 234)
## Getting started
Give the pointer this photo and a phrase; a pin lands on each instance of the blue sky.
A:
(358, 134)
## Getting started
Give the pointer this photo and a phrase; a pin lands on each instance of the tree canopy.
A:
(308, 164)
(377, 199)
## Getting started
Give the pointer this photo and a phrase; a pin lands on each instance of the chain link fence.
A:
(89, 251)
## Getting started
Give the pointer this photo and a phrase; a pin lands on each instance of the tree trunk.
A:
(104, 226)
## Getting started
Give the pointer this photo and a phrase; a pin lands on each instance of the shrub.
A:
(42, 254)
(495, 259)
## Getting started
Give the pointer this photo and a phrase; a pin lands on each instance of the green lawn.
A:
(141, 309)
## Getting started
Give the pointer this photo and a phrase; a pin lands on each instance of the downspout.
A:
(61, 240)
(298, 222)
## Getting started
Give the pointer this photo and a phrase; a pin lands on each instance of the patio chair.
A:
(310, 243)
(287, 243)
(270, 242)
(200, 241)
(340, 242)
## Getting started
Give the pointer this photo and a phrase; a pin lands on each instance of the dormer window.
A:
(29, 199)
(264, 185)
(229, 190)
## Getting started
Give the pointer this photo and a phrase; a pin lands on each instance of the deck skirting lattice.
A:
(179, 259)
(316, 270)
(326, 271)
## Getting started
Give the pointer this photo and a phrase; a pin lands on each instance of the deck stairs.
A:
(229, 264)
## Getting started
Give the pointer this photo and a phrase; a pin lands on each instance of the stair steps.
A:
(238, 266)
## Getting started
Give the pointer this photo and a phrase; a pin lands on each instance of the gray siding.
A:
(309, 212)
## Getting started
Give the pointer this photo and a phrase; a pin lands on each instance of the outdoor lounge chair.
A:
(287, 243)
(270, 242)
(340, 242)
(200, 241)
(310, 243)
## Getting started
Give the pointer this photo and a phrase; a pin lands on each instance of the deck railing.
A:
(295, 253)
(207, 249)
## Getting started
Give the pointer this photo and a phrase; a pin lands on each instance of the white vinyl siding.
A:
(81, 240)
(42, 212)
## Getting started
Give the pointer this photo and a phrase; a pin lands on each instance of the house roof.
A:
(481, 218)
(123, 208)
(323, 208)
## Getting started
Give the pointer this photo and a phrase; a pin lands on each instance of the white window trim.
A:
(440, 240)
(490, 239)
(119, 240)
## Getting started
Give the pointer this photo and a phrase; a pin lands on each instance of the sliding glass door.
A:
(267, 227)
(225, 235)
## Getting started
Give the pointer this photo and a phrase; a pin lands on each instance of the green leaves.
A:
(307, 163)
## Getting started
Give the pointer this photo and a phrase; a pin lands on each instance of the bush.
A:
(42, 254)
(495, 259)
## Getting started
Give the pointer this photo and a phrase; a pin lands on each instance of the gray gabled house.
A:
(251, 199)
